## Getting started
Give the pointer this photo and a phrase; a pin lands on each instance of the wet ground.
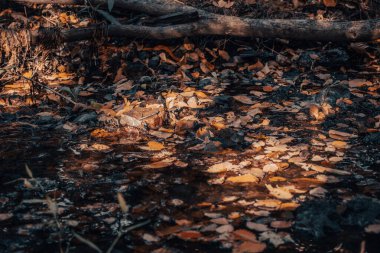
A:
(281, 182)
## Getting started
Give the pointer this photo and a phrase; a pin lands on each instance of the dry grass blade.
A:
(122, 202)
(89, 243)
(28, 171)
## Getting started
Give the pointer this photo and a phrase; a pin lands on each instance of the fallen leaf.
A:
(189, 235)
(356, 83)
(257, 226)
(340, 144)
(160, 164)
(243, 234)
(330, 3)
(271, 167)
(225, 229)
(247, 178)
(372, 229)
(155, 146)
(5, 216)
(100, 147)
(269, 203)
(279, 192)
(221, 167)
(276, 239)
(281, 224)
(150, 238)
(249, 247)
(243, 99)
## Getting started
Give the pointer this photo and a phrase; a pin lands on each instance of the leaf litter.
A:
(218, 146)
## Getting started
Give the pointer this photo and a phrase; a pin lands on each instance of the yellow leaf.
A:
(155, 146)
(247, 178)
(28, 74)
(340, 144)
(122, 202)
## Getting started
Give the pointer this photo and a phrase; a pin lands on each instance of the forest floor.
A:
(198, 145)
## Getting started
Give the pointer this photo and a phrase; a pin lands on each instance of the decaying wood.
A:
(214, 24)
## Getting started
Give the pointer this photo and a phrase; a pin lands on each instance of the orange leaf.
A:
(330, 3)
(189, 235)
(154, 146)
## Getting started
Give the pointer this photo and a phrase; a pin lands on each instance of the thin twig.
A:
(49, 89)
(121, 233)
(89, 243)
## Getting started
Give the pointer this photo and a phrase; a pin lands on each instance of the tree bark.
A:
(214, 24)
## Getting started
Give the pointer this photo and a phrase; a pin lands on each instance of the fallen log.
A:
(214, 24)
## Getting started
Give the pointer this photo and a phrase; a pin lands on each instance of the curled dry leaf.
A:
(279, 192)
(221, 167)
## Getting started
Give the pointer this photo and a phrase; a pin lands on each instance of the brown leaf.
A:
(373, 229)
(247, 178)
(160, 164)
(281, 224)
(155, 146)
(243, 99)
(245, 235)
(249, 247)
(189, 235)
(224, 55)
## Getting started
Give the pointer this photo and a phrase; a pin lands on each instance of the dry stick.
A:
(214, 24)
(49, 89)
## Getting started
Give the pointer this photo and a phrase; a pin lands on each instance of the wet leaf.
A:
(160, 164)
(245, 235)
(5, 216)
(155, 146)
(225, 229)
(279, 192)
(330, 3)
(372, 229)
(243, 99)
(249, 247)
(189, 235)
(246, 178)
(221, 167)
(276, 239)
(281, 224)
(257, 226)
